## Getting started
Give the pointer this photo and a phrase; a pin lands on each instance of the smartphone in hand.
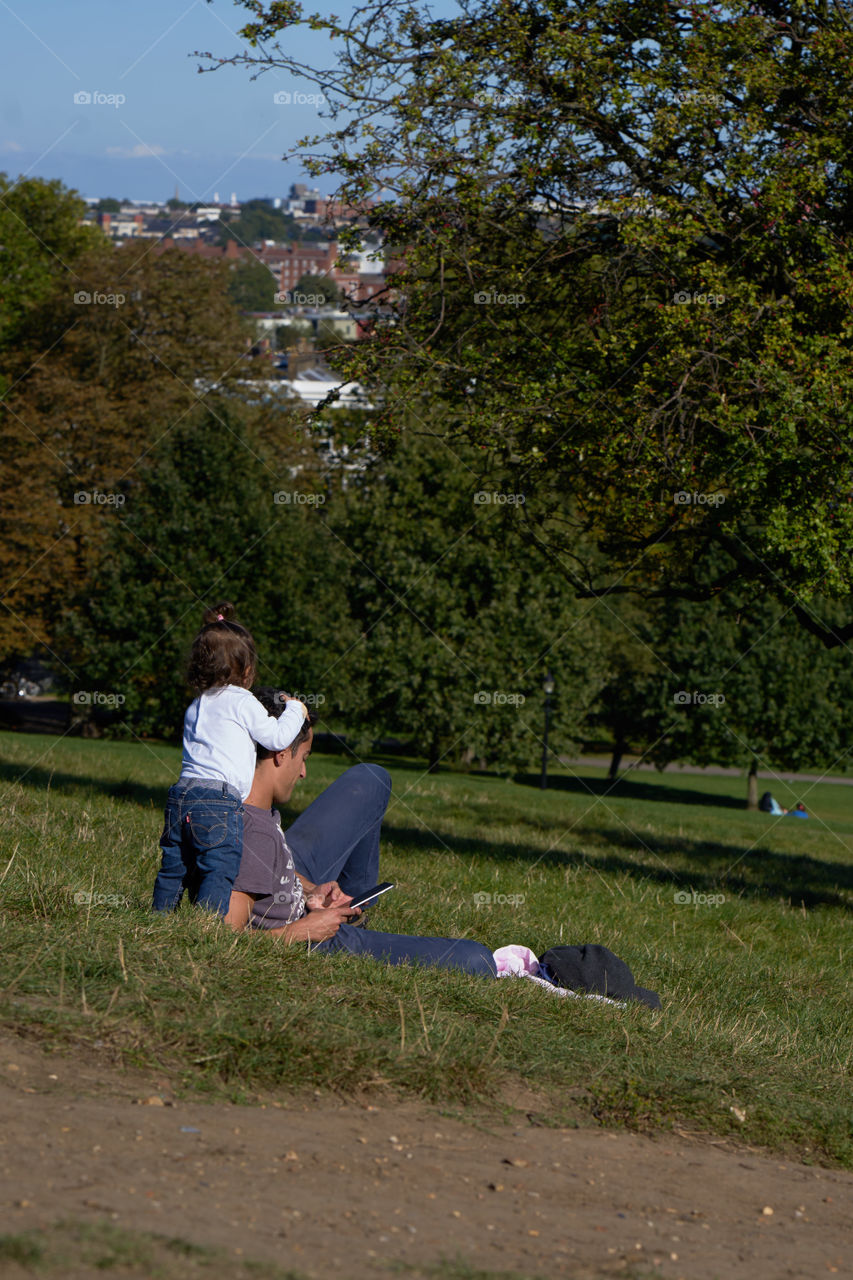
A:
(362, 899)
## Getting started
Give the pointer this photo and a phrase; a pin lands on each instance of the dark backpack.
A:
(594, 968)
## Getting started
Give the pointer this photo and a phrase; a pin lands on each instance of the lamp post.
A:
(548, 687)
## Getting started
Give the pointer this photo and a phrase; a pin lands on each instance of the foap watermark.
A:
(690, 498)
(682, 298)
(98, 498)
(85, 898)
(490, 900)
(495, 98)
(698, 699)
(701, 97)
(687, 898)
(83, 98)
(492, 299)
(295, 498)
(82, 298)
(497, 698)
(293, 298)
(97, 698)
(310, 699)
(287, 98)
(485, 496)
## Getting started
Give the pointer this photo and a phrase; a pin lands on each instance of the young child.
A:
(202, 840)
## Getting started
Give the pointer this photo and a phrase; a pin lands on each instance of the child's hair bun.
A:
(224, 612)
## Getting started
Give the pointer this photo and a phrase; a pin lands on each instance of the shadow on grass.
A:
(75, 784)
(623, 788)
(711, 867)
(140, 793)
(628, 789)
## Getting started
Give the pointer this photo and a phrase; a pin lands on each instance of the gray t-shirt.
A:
(267, 871)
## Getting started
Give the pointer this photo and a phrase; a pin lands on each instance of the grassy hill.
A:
(737, 919)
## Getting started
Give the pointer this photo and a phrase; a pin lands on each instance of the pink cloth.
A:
(515, 961)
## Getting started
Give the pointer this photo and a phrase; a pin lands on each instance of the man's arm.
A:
(314, 926)
(328, 894)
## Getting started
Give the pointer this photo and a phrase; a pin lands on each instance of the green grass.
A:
(755, 990)
(84, 1250)
(98, 1249)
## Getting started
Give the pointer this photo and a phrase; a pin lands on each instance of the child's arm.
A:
(273, 733)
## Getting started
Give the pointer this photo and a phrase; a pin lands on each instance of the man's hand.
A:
(319, 924)
(327, 895)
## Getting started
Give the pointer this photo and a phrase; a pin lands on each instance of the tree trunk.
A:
(434, 755)
(616, 759)
(752, 785)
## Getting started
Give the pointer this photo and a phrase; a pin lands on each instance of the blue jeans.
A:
(202, 843)
(337, 838)
(398, 948)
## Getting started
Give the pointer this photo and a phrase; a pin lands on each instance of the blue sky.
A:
(217, 132)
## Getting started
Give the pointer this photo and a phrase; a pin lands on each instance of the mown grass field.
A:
(753, 1040)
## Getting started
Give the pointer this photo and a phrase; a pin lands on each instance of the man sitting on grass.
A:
(299, 889)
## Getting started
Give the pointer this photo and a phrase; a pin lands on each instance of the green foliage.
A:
(252, 286)
(625, 269)
(751, 683)
(321, 288)
(204, 525)
(724, 682)
(106, 356)
(457, 630)
(257, 222)
(42, 238)
(289, 335)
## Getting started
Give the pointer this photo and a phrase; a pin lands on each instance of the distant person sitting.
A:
(799, 811)
(768, 805)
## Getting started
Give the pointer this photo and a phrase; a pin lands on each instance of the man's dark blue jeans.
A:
(337, 838)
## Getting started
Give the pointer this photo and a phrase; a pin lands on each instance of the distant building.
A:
(230, 252)
(298, 260)
(120, 226)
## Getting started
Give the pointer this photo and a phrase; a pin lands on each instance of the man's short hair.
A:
(274, 701)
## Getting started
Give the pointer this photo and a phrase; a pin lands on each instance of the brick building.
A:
(298, 260)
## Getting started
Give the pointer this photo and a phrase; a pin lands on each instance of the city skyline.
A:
(120, 110)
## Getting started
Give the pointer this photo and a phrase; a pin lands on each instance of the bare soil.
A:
(321, 1186)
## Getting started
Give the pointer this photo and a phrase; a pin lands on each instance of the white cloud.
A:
(11, 146)
(142, 151)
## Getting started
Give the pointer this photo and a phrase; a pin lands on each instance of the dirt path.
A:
(82, 1140)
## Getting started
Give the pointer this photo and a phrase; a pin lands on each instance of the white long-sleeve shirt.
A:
(221, 728)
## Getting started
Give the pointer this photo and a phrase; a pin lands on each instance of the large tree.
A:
(42, 235)
(111, 349)
(457, 629)
(226, 506)
(624, 268)
(727, 683)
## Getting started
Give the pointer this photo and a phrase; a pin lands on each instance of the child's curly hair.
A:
(223, 652)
